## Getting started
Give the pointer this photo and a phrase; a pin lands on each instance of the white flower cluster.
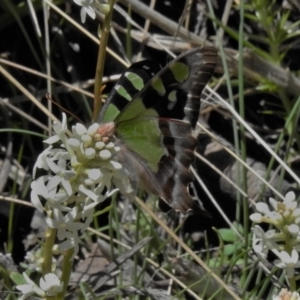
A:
(88, 8)
(286, 295)
(284, 241)
(83, 172)
(33, 261)
(50, 285)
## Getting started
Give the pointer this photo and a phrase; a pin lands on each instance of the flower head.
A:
(51, 284)
(82, 172)
(288, 262)
(29, 289)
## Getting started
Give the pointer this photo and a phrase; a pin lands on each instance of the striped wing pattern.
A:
(154, 110)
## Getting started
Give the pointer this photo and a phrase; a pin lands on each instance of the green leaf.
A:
(17, 278)
(227, 235)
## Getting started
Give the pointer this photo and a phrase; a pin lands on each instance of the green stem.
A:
(100, 61)
(47, 251)
(292, 284)
(66, 272)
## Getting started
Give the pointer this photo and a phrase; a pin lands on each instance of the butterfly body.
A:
(151, 113)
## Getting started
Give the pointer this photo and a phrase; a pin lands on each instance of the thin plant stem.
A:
(66, 272)
(101, 60)
(47, 251)
(243, 144)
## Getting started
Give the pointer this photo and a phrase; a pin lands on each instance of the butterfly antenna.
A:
(62, 108)
(184, 17)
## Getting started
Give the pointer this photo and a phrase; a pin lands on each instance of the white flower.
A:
(288, 262)
(288, 204)
(86, 9)
(29, 289)
(62, 175)
(34, 260)
(60, 130)
(72, 241)
(53, 198)
(81, 170)
(51, 284)
(41, 162)
(264, 209)
(64, 224)
(263, 241)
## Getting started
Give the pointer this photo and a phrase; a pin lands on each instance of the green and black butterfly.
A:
(151, 112)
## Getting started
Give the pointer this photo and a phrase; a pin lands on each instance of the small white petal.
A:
(53, 166)
(78, 2)
(90, 153)
(35, 200)
(256, 217)
(117, 149)
(116, 165)
(52, 140)
(275, 216)
(89, 182)
(66, 245)
(90, 11)
(293, 229)
(273, 203)
(67, 186)
(296, 212)
(73, 143)
(93, 129)
(83, 14)
(94, 174)
(100, 145)
(86, 139)
(289, 197)
(68, 174)
(295, 296)
(64, 121)
(80, 129)
(57, 127)
(110, 145)
(294, 256)
(88, 192)
(53, 182)
(292, 205)
(105, 154)
(262, 208)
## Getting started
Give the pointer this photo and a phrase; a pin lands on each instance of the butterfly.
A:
(151, 113)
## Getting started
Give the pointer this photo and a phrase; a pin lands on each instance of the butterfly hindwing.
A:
(154, 125)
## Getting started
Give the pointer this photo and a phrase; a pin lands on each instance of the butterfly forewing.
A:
(175, 90)
(153, 125)
(130, 83)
